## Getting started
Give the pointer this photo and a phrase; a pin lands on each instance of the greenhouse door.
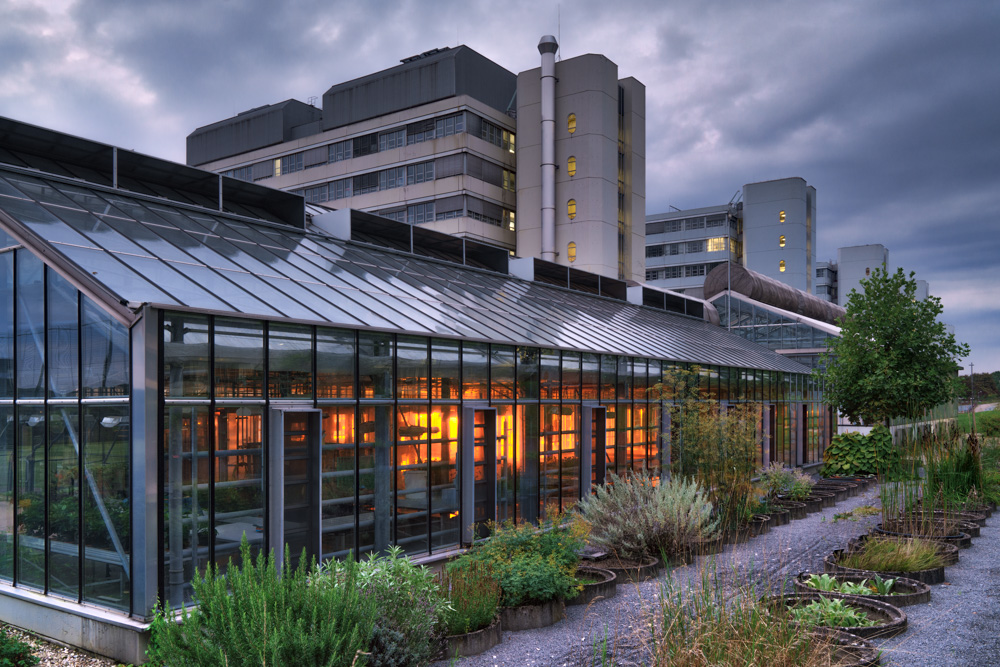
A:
(294, 484)
(478, 465)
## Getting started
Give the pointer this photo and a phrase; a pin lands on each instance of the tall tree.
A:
(894, 358)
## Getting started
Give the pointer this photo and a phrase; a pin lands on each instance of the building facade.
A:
(855, 263)
(429, 142)
(176, 377)
(682, 247)
(827, 285)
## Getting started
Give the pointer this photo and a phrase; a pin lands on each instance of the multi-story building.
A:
(772, 231)
(682, 247)
(433, 142)
(430, 142)
(826, 286)
(855, 263)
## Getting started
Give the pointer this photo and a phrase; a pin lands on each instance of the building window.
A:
(571, 208)
(571, 251)
(420, 213)
(497, 136)
(365, 145)
(695, 246)
(654, 251)
(391, 178)
(715, 221)
(820, 273)
(392, 139)
(419, 173)
(571, 166)
(717, 244)
(341, 150)
(672, 272)
(509, 182)
(694, 270)
(342, 188)
(781, 216)
(652, 274)
(508, 219)
(240, 174)
(781, 266)
(317, 194)
(571, 123)
(449, 125)
(289, 164)
(781, 241)
(674, 249)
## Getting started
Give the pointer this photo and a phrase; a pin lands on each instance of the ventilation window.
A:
(571, 251)
(571, 208)
(781, 266)
(571, 166)
(571, 123)
(781, 216)
(781, 241)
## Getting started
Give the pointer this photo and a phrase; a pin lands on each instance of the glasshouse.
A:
(187, 360)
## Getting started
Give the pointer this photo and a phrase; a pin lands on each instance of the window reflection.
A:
(338, 481)
(239, 482)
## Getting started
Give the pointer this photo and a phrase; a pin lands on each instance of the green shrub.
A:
(252, 616)
(14, 652)
(777, 480)
(475, 596)
(531, 565)
(831, 613)
(635, 519)
(859, 454)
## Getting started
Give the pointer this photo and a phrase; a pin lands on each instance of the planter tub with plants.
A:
(839, 492)
(931, 576)
(948, 552)
(474, 643)
(708, 546)
(901, 529)
(985, 510)
(780, 516)
(813, 504)
(795, 509)
(598, 584)
(531, 616)
(827, 499)
(628, 571)
(965, 516)
(905, 592)
(889, 619)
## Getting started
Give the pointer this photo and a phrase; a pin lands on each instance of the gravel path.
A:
(961, 625)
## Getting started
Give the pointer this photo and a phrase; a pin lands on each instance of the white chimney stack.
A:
(548, 46)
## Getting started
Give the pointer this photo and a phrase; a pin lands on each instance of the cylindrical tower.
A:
(548, 46)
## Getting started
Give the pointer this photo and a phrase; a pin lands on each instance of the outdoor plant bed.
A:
(708, 546)
(947, 552)
(848, 650)
(628, 571)
(985, 510)
(813, 504)
(831, 564)
(795, 510)
(965, 516)
(905, 592)
(598, 584)
(839, 492)
(780, 516)
(889, 619)
(474, 643)
(855, 485)
(897, 528)
(827, 499)
(531, 616)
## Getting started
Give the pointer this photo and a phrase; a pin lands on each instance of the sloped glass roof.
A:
(147, 250)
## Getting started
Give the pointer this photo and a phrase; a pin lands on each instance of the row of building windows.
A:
(717, 244)
(688, 224)
(422, 172)
(684, 271)
(457, 206)
(376, 142)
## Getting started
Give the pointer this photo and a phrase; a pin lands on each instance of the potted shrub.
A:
(471, 624)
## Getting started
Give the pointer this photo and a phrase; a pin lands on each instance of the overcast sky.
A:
(890, 109)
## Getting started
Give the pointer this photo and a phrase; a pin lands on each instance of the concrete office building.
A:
(172, 341)
(827, 281)
(857, 262)
(600, 168)
(434, 142)
(771, 231)
(429, 142)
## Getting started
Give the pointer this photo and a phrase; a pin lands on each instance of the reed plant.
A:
(894, 555)
(475, 598)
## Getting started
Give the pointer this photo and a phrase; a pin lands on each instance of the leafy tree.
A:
(894, 358)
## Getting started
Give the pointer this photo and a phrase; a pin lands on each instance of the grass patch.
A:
(894, 555)
(857, 513)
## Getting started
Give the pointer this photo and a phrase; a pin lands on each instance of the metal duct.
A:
(770, 291)
(548, 46)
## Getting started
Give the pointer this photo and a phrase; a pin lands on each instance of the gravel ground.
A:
(961, 625)
(53, 655)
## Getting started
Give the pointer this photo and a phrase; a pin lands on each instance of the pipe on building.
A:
(547, 47)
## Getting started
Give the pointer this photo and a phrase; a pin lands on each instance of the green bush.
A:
(253, 616)
(531, 565)
(475, 596)
(14, 652)
(831, 613)
(859, 454)
(635, 519)
(777, 480)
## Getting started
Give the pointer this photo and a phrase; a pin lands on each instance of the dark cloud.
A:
(889, 109)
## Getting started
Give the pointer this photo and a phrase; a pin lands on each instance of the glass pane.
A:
(548, 374)
(186, 475)
(334, 363)
(475, 371)
(624, 378)
(411, 367)
(444, 483)
(609, 366)
(445, 366)
(104, 348)
(610, 420)
(571, 376)
(106, 516)
(505, 462)
(117, 277)
(239, 358)
(7, 325)
(412, 479)
(239, 482)
(63, 330)
(526, 457)
(639, 434)
(339, 505)
(502, 372)
(527, 372)
(185, 355)
(623, 460)
(31, 496)
(375, 480)
(290, 362)
(31, 326)
(6, 240)
(639, 383)
(7, 431)
(64, 501)
(374, 365)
